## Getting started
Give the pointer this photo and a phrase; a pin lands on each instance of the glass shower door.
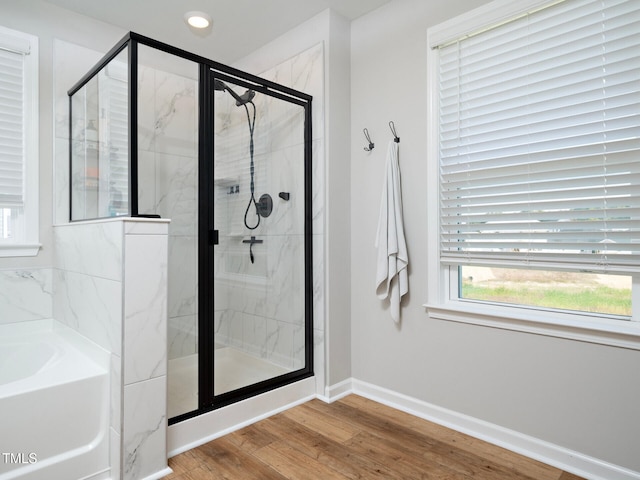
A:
(260, 253)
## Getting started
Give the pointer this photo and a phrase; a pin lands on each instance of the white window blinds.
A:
(540, 140)
(12, 122)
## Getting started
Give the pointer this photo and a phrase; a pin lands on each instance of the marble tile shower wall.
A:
(260, 306)
(168, 175)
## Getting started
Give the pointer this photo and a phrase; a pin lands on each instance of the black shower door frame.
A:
(207, 239)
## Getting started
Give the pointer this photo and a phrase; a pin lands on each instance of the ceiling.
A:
(239, 26)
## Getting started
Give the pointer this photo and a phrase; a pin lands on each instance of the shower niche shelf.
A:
(226, 182)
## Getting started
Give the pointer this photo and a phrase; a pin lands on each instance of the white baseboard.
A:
(337, 391)
(551, 454)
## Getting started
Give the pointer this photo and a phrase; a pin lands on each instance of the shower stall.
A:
(226, 156)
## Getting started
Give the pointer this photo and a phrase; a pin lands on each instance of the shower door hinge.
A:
(213, 237)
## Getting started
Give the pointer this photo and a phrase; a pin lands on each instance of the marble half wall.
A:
(110, 285)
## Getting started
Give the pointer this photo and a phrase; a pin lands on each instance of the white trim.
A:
(159, 474)
(617, 333)
(14, 250)
(549, 453)
(337, 391)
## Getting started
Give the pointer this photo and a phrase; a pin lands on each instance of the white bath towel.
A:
(391, 278)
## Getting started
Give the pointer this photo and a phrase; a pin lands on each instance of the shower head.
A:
(246, 97)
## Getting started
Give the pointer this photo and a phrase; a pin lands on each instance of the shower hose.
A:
(252, 199)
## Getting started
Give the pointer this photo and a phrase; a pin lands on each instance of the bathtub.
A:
(54, 404)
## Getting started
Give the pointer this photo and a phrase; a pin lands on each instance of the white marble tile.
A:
(146, 107)
(229, 328)
(318, 282)
(77, 247)
(175, 128)
(26, 295)
(298, 354)
(182, 336)
(116, 393)
(90, 305)
(286, 174)
(144, 435)
(147, 203)
(142, 226)
(319, 360)
(182, 276)
(307, 73)
(318, 187)
(286, 278)
(114, 453)
(254, 334)
(278, 346)
(61, 181)
(145, 307)
(176, 192)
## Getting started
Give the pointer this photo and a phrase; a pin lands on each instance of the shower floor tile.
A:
(233, 369)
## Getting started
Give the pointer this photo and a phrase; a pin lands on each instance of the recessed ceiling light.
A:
(197, 19)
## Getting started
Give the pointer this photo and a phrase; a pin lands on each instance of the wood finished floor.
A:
(353, 438)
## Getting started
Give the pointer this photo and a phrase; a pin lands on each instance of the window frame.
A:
(28, 245)
(443, 302)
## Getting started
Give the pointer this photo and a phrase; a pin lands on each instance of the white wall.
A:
(577, 395)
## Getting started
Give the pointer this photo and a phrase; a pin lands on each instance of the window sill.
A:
(30, 250)
(618, 333)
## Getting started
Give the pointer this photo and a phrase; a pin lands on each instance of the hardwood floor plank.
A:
(293, 464)
(227, 460)
(499, 455)
(251, 438)
(326, 450)
(353, 438)
(403, 466)
(328, 426)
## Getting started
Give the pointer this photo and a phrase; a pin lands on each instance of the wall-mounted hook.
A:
(392, 126)
(371, 145)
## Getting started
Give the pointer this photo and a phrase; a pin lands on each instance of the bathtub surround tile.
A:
(90, 305)
(145, 307)
(26, 295)
(144, 430)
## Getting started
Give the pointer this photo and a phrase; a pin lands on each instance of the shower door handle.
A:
(213, 237)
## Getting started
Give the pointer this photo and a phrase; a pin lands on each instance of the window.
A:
(18, 144)
(535, 174)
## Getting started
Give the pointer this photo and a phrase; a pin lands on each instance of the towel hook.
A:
(392, 126)
(366, 135)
